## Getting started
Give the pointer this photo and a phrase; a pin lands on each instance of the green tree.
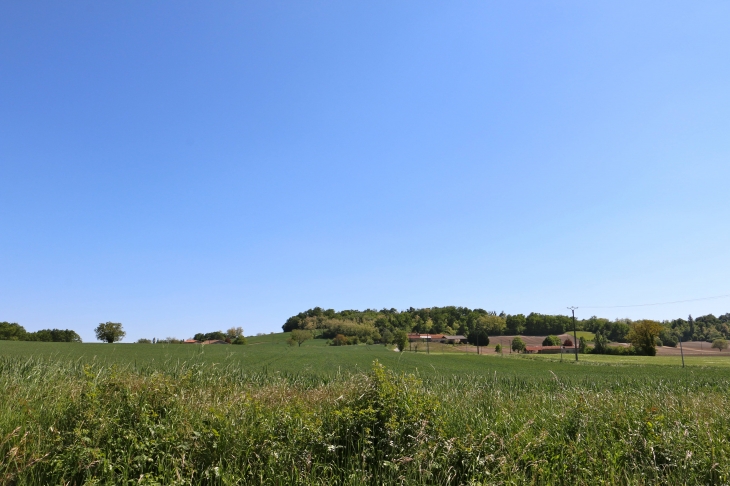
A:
(551, 340)
(643, 335)
(498, 348)
(387, 337)
(401, 340)
(299, 336)
(12, 331)
(518, 345)
(234, 333)
(600, 343)
(515, 324)
(493, 325)
(582, 345)
(719, 344)
(110, 332)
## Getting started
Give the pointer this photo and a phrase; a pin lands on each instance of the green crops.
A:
(68, 422)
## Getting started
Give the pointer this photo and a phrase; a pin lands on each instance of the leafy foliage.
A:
(111, 332)
(551, 340)
(518, 345)
(643, 335)
(15, 332)
(719, 344)
(191, 424)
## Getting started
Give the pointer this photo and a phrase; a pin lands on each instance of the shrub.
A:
(498, 348)
(568, 343)
(240, 340)
(339, 340)
(387, 416)
(551, 341)
(143, 341)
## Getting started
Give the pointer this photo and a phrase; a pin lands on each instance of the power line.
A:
(656, 303)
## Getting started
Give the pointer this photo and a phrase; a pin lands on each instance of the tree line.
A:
(477, 325)
(12, 331)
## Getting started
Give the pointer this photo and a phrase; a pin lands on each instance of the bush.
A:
(498, 348)
(551, 341)
(143, 341)
(339, 340)
(240, 340)
(387, 416)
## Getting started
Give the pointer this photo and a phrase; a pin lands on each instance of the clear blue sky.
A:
(191, 166)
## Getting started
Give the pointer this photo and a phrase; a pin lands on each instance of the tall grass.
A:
(68, 422)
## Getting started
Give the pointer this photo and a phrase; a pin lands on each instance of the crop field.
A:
(267, 413)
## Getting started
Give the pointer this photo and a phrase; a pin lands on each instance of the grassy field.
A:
(267, 413)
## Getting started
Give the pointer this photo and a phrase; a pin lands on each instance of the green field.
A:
(267, 413)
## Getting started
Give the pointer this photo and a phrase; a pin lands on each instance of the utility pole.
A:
(575, 335)
(681, 350)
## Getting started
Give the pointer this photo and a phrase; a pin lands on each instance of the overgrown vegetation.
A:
(69, 422)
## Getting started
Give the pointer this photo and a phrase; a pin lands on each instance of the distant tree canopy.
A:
(211, 336)
(381, 325)
(12, 331)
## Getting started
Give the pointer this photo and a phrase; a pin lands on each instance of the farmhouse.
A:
(436, 338)
(425, 337)
(457, 339)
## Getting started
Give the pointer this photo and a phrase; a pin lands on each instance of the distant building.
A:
(457, 339)
(425, 337)
(549, 349)
(215, 341)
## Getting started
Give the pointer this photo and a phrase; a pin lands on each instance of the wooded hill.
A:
(381, 325)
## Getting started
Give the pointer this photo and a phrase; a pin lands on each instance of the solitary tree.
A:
(643, 336)
(600, 343)
(110, 332)
(719, 344)
(582, 345)
(401, 340)
(299, 336)
(518, 345)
